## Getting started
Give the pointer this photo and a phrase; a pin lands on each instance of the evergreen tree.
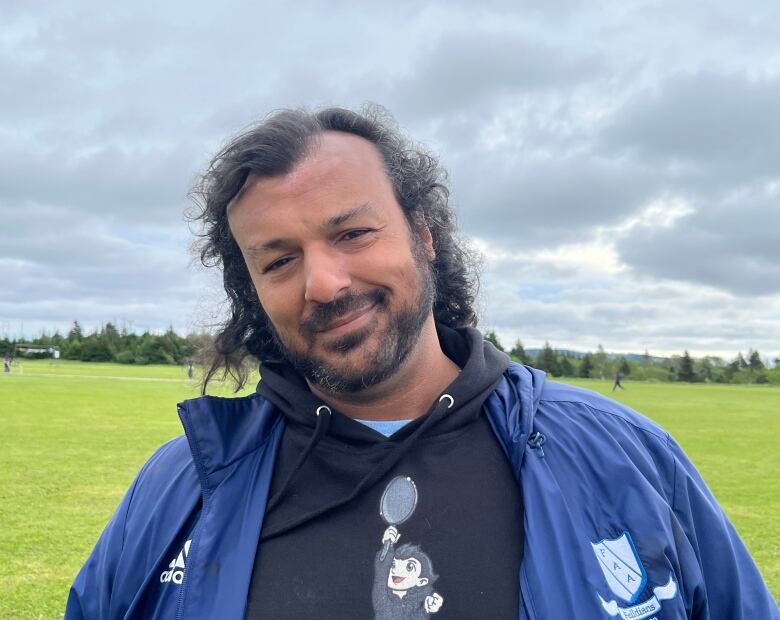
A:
(6, 346)
(754, 361)
(731, 369)
(492, 338)
(94, 348)
(548, 360)
(518, 352)
(706, 371)
(57, 340)
(75, 333)
(586, 366)
(685, 371)
(565, 366)
(111, 339)
(152, 350)
(599, 363)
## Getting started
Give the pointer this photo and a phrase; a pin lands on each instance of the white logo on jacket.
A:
(626, 577)
(175, 572)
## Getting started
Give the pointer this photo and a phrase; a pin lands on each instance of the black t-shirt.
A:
(457, 555)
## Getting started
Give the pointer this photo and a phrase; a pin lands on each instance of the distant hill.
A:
(633, 357)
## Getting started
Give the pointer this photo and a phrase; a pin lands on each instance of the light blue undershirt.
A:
(385, 427)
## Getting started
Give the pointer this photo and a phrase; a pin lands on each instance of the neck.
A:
(408, 394)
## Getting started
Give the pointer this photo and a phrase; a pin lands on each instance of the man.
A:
(531, 499)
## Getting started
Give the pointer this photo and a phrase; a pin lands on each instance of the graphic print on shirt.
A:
(626, 577)
(175, 572)
(403, 576)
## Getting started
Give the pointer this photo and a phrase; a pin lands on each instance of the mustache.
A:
(325, 314)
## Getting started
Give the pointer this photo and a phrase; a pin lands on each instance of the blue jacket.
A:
(618, 523)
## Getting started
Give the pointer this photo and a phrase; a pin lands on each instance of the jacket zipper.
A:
(535, 442)
(206, 495)
(190, 560)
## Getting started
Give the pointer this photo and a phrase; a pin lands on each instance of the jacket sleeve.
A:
(720, 579)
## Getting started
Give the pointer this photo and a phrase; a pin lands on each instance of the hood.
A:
(481, 367)
(222, 430)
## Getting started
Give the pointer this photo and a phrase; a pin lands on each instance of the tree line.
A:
(600, 365)
(108, 344)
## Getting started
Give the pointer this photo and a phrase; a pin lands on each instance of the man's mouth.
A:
(344, 311)
(348, 321)
(397, 580)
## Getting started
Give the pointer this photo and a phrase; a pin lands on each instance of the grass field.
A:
(73, 435)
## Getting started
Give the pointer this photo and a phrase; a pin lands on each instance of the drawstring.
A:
(374, 475)
(536, 441)
(320, 428)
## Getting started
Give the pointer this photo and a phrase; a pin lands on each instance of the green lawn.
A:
(73, 435)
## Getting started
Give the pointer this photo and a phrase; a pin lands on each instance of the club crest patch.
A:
(626, 577)
(622, 568)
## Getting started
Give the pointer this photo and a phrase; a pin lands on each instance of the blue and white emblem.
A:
(626, 577)
(622, 568)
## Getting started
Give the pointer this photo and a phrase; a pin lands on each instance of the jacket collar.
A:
(223, 430)
(511, 409)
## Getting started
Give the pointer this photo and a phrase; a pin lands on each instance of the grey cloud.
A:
(465, 68)
(109, 181)
(733, 245)
(722, 128)
(536, 203)
(630, 315)
(52, 256)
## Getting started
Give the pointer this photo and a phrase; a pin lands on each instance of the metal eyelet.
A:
(452, 400)
(325, 407)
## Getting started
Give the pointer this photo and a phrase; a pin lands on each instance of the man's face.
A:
(346, 285)
(405, 574)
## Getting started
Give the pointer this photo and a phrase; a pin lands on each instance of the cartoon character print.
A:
(403, 582)
(403, 576)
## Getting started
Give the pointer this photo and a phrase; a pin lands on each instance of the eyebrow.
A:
(343, 218)
(329, 224)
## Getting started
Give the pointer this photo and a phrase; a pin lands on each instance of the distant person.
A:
(7, 362)
(190, 369)
(381, 406)
(618, 384)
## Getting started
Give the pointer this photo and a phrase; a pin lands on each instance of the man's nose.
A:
(326, 277)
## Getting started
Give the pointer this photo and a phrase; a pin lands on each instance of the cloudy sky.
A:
(618, 163)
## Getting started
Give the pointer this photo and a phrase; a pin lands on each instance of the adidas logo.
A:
(175, 572)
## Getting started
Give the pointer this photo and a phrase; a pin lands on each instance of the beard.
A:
(393, 344)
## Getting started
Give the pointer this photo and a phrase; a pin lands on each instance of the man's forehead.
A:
(331, 154)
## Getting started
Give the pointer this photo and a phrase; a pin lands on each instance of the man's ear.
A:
(424, 235)
(422, 581)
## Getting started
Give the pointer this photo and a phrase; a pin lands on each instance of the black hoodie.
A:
(327, 549)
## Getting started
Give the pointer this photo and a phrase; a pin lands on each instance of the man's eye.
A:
(354, 234)
(277, 264)
(410, 567)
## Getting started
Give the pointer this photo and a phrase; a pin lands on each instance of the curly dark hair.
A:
(273, 147)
